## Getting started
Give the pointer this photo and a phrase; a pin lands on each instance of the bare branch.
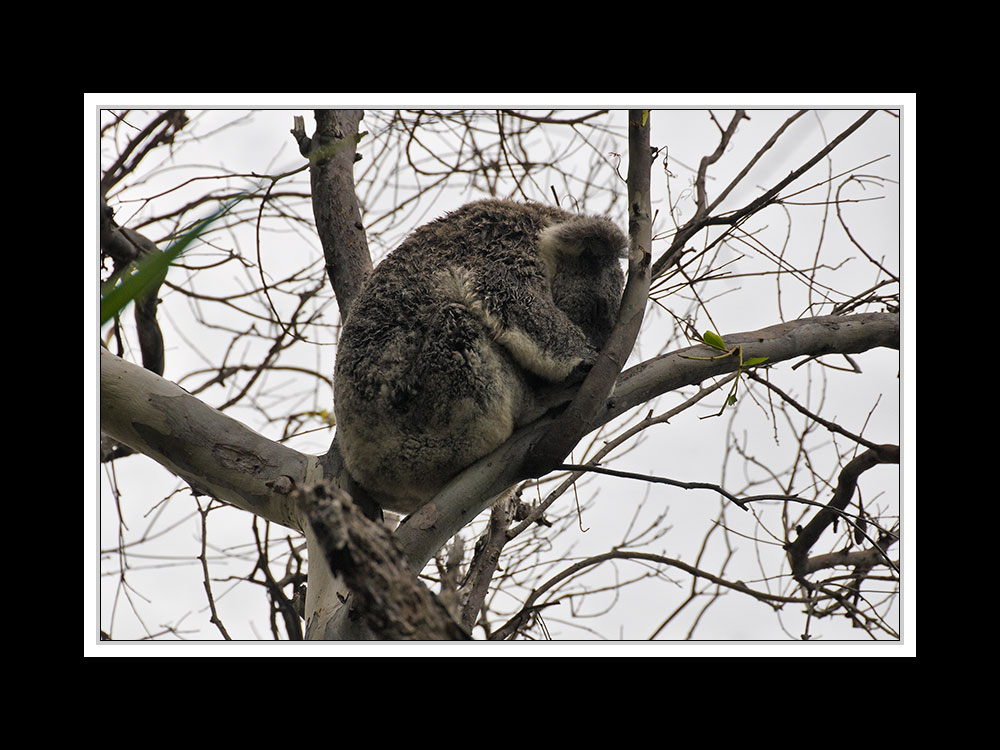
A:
(831, 426)
(519, 619)
(206, 580)
(798, 551)
(701, 220)
(709, 159)
(148, 139)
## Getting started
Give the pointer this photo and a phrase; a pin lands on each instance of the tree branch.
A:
(710, 159)
(172, 121)
(385, 593)
(125, 246)
(486, 559)
(865, 558)
(521, 617)
(214, 453)
(808, 337)
(335, 203)
(798, 551)
(831, 426)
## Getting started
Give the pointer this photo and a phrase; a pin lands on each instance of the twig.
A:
(206, 581)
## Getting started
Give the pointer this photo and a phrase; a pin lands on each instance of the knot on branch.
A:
(329, 139)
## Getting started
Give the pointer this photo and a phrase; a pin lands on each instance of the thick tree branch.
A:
(865, 558)
(214, 453)
(808, 337)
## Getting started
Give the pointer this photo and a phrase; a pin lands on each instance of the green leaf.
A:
(714, 340)
(754, 361)
(153, 268)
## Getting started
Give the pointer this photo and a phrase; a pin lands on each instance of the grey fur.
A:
(459, 334)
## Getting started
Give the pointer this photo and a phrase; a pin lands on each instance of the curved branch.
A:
(798, 551)
(511, 627)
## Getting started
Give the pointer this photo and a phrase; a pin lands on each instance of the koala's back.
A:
(452, 338)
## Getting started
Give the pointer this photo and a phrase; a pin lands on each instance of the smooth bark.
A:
(214, 453)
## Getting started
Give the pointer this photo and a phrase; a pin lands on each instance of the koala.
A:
(459, 336)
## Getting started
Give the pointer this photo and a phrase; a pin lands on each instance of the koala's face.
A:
(589, 292)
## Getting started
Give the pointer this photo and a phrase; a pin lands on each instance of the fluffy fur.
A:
(460, 333)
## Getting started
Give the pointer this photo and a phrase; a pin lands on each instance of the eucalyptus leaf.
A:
(153, 268)
(714, 340)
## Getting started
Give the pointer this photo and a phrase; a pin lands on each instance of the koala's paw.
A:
(580, 371)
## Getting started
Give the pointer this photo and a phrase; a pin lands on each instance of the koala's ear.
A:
(582, 236)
